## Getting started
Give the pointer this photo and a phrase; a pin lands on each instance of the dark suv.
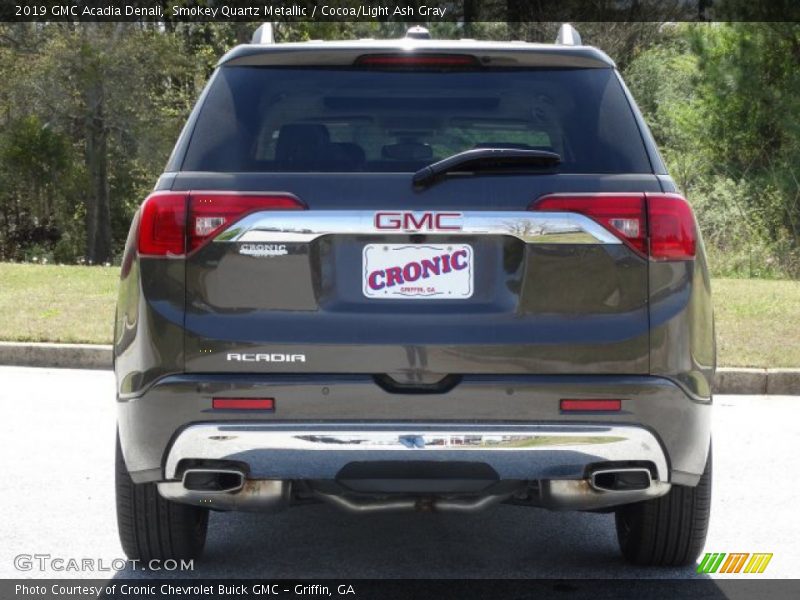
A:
(415, 275)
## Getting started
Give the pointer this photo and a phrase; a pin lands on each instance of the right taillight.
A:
(173, 224)
(659, 226)
(672, 229)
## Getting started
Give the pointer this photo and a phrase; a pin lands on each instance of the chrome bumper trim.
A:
(525, 452)
(306, 226)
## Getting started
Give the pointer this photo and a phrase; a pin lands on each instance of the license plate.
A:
(418, 271)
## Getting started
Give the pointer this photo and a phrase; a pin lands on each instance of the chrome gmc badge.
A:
(418, 221)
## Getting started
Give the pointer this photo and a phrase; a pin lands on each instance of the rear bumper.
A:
(521, 452)
(554, 466)
(322, 423)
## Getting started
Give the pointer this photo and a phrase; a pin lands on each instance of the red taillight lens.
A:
(162, 227)
(211, 212)
(243, 403)
(432, 61)
(569, 405)
(673, 232)
(660, 226)
(174, 223)
(623, 214)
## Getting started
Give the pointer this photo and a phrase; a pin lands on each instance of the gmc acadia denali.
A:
(415, 275)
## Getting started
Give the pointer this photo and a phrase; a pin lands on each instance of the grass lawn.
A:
(758, 321)
(50, 303)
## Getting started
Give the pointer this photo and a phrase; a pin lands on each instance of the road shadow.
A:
(506, 542)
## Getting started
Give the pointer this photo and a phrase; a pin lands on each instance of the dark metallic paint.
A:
(148, 423)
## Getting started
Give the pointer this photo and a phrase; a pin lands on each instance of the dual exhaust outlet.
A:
(231, 481)
(230, 489)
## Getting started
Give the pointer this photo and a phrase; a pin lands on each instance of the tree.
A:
(111, 88)
(722, 100)
(750, 85)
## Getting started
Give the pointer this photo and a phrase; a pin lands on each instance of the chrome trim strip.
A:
(297, 451)
(306, 226)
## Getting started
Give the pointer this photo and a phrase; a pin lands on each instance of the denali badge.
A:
(275, 358)
(424, 221)
(263, 249)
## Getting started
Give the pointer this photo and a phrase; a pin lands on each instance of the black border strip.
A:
(402, 11)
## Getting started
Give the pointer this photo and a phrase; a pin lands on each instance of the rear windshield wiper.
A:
(507, 160)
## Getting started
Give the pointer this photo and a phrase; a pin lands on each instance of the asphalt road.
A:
(57, 435)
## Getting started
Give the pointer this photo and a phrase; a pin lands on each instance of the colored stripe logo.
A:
(736, 562)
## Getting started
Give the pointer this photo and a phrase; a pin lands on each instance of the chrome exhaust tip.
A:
(621, 480)
(227, 489)
(213, 481)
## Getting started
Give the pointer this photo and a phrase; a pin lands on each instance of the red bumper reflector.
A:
(243, 403)
(591, 405)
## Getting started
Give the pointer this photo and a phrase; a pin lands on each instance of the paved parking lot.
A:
(58, 438)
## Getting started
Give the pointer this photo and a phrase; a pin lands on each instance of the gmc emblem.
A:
(424, 221)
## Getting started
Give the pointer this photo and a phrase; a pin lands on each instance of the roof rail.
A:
(264, 34)
(418, 33)
(568, 36)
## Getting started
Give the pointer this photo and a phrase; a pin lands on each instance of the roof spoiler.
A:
(567, 35)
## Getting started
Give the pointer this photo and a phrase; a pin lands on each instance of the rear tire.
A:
(151, 527)
(669, 531)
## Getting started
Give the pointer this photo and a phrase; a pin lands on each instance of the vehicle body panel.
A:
(149, 424)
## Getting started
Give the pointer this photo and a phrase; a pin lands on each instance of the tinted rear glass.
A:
(348, 120)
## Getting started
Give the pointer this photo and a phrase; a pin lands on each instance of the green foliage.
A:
(722, 101)
(89, 114)
(738, 234)
(37, 178)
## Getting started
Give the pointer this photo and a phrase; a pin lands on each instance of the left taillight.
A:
(162, 225)
(211, 212)
(177, 223)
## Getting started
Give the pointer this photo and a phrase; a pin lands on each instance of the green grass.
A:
(51, 303)
(758, 321)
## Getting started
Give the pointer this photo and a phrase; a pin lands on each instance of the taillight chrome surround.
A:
(174, 224)
(529, 227)
(658, 226)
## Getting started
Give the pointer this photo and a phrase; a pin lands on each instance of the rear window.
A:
(266, 119)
